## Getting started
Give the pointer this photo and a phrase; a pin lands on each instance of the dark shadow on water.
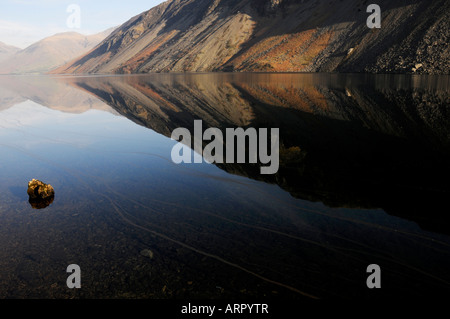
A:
(19, 192)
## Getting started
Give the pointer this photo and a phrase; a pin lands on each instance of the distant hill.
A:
(6, 51)
(50, 53)
(276, 36)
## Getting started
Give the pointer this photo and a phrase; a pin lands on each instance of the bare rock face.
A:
(40, 194)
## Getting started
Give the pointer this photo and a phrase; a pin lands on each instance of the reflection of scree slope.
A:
(361, 146)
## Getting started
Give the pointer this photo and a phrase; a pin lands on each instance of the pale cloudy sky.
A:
(23, 22)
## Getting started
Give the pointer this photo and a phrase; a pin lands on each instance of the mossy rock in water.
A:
(40, 190)
(41, 194)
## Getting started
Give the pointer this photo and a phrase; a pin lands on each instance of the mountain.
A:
(50, 53)
(6, 51)
(276, 36)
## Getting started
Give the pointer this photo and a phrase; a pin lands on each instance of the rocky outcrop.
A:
(276, 36)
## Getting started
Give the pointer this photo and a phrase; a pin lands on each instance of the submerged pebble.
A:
(147, 253)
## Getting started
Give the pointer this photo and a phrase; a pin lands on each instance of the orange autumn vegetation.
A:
(284, 53)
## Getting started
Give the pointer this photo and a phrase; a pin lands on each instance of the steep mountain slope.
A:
(50, 52)
(6, 51)
(276, 35)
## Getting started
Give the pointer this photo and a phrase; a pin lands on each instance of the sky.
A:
(23, 22)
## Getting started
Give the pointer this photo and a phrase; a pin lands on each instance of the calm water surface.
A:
(363, 180)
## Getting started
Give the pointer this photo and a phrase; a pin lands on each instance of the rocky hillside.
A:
(50, 53)
(276, 36)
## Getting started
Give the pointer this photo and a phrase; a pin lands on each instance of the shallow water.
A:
(362, 180)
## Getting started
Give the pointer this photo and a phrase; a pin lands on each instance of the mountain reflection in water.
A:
(353, 148)
(347, 140)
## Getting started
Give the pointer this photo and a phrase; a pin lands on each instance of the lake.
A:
(363, 179)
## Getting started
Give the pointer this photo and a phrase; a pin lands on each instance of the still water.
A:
(363, 180)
